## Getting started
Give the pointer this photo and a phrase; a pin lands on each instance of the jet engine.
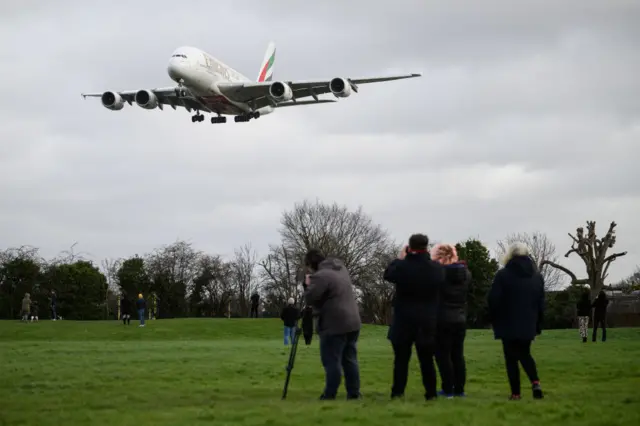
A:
(280, 92)
(112, 101)
(146, 99)
(340, 87)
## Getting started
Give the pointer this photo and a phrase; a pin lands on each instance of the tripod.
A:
(292, 358)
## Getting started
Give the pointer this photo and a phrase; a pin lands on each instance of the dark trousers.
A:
(254, 311)
(450, 358)
(402, 355)
(519, 351)
(339, 354)
(53, 312)
(599, 321)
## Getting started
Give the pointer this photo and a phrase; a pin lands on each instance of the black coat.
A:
(125, 306)
(255, 299)
(290, 316)
(418, 281)
(516, 300)
(600, 305)
(307, 320)
(584, 307)
(453, 298)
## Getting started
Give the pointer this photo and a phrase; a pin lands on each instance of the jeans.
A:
(450, 358)
(289, 333)
(53, 312)
(519, 351)
(339, 355)
(141, 316)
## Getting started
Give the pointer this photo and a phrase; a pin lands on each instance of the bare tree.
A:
(110, 270)
(280, 272)
(243, 266)
(213, 284)
(349, 235)
(69, 256)
(593, 252)
(541, 250)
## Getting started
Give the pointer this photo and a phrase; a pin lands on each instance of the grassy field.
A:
(231, 372)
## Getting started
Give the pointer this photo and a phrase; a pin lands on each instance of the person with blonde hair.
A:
(516, 307)
(452, 318)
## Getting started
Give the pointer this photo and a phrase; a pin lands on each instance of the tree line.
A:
(186, 282)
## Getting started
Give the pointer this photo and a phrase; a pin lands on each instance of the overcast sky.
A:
(525, 119)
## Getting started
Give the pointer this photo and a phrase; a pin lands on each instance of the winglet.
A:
(266, 68)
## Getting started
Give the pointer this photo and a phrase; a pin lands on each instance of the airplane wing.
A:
(256, 93)
(166, 96)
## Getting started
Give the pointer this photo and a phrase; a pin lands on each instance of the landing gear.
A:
(197, 118)
(246, 117)
(181, 92)
(219, 119)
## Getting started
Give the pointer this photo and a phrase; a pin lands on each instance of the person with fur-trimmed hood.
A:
(26, 307)
(516, 307)
(452, 318)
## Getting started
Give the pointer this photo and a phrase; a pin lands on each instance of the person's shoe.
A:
(514, 397)
(584, 340)
(537, 390)
(460, 395)
(430, 397)
(354, 397)
(397, 395)
(324, 397)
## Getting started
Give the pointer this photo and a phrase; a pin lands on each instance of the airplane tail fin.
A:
(266, 69)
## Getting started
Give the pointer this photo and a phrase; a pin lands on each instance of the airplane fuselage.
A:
(200, 73)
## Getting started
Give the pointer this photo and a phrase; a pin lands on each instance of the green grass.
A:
(230, 372)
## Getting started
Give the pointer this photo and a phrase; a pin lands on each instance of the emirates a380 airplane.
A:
(205, 84)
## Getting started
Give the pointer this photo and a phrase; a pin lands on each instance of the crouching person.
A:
(329, 291)
(516, 306)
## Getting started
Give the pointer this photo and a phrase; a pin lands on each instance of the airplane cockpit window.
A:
(179, 55)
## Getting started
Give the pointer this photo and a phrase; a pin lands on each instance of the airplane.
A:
(206, 84)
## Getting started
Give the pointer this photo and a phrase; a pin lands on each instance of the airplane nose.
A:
(174, 69)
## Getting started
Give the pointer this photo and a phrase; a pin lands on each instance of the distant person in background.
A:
(289, 316)
(54, 305)
(255, 302)
(452, 318)
(307, 324)
(600, 316)
(26, 307)
(141, 306)
(34, 311)
(125, 309)
(516, 306)
(583, 308)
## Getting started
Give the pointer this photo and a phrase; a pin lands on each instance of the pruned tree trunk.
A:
(593, 252)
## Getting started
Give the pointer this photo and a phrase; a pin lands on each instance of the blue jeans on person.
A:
(289, 333)
(141, 316)
(339, 354)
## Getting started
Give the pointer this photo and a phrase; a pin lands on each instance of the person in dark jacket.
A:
(125, 309)
(583, 308)
(452, 317)
(516, 306)
(141, 306)
(328, 289)
(54, 305)
(418, 281)
(289, 316)
(255, 302)
(600, 315)
(307, 324)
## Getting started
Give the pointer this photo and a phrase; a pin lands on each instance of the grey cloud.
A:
(526, 119)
